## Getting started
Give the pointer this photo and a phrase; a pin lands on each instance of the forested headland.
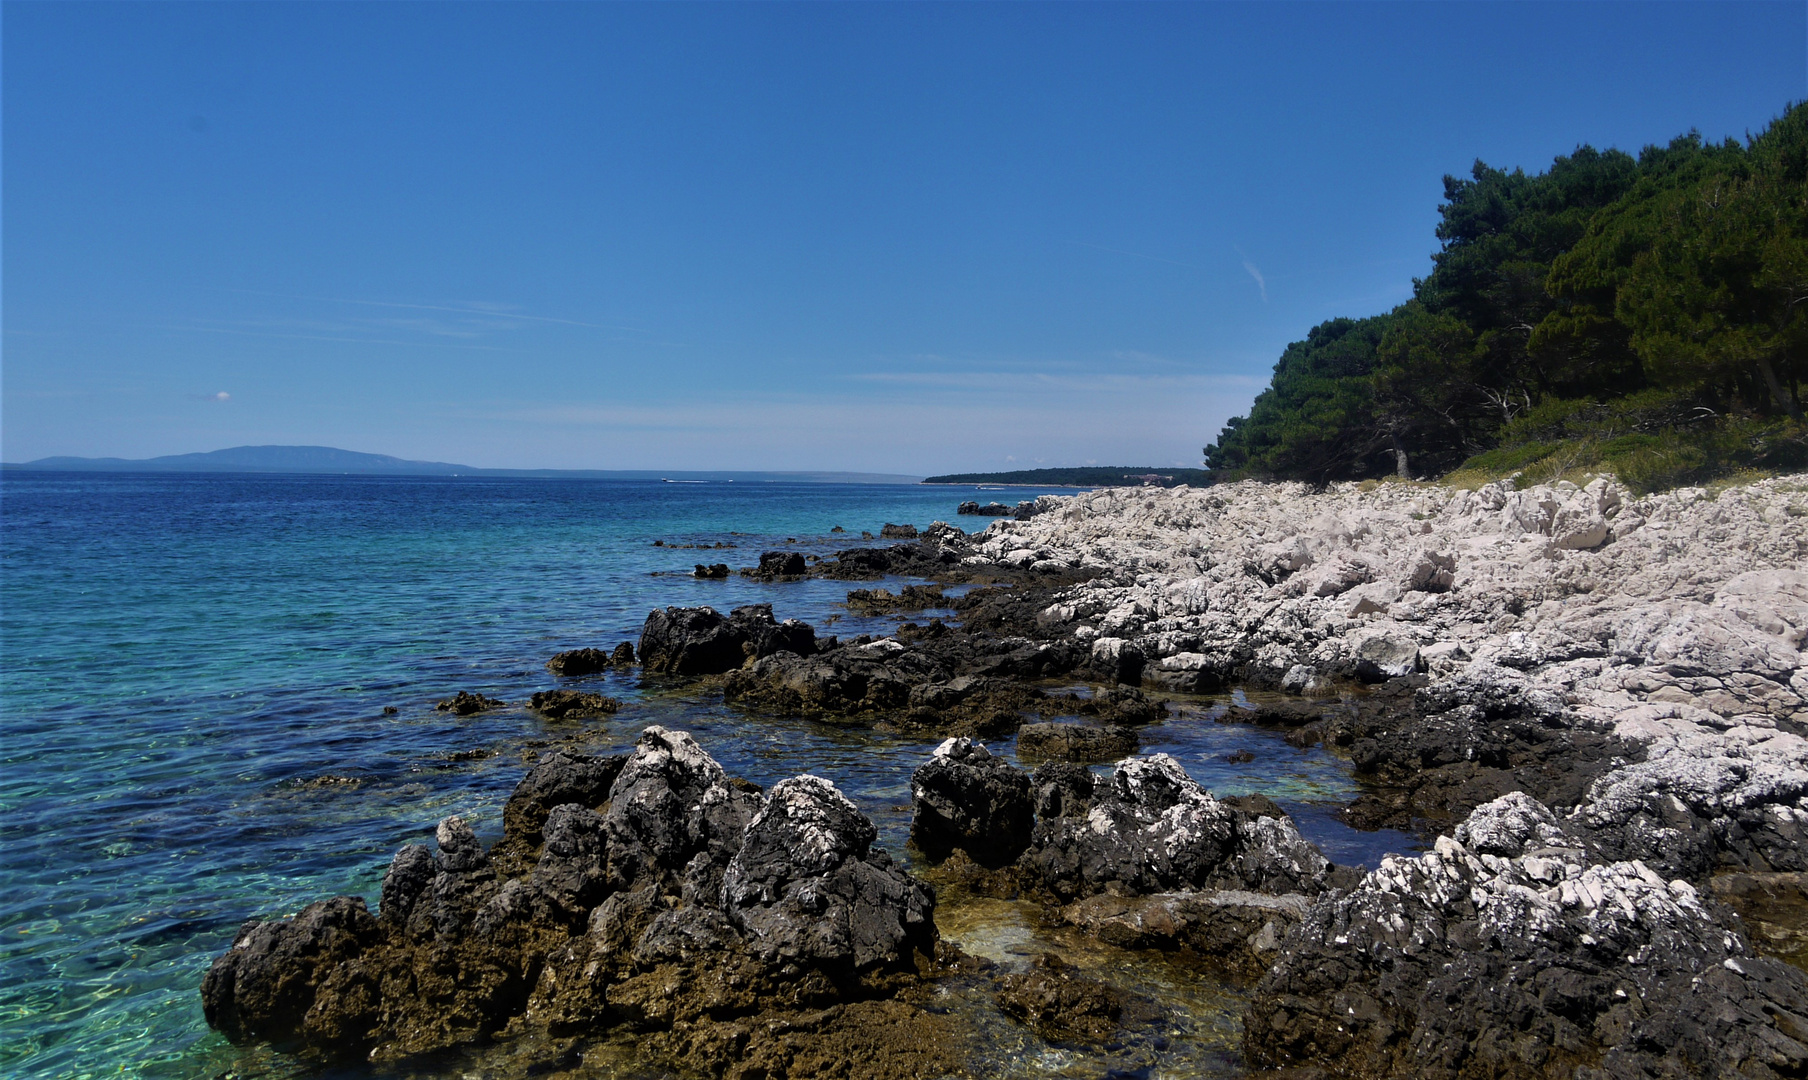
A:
(1082, 476)
(1642, 315)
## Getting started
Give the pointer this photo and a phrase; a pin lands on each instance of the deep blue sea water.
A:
(193, 677)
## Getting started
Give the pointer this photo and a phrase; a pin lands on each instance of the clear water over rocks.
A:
(218, 704)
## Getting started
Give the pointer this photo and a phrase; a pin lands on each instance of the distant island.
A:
(1088, 476)
(328, 460)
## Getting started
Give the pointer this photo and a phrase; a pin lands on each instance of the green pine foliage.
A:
(1647, 315)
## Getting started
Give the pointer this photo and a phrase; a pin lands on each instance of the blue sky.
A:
(906, 238)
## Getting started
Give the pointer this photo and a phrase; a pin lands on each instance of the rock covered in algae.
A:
(649, 890)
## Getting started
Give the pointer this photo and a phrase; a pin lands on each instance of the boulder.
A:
(807, 885)
(575, 662)
(898, 532)
(1150, 828)
(673, 812)
(1383, 652)
(699, 641)
(964, 798)
(559, 778)
(1508, 951)
(1062, 789)
(991, 509)
(265, 985)
(778, 564)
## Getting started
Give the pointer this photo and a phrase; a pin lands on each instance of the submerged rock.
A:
(909, 598)
(465, 703)
(1242, 930)
(648, 889)
(579, 662)
(564, 704)
(1059, 1003)
(1075, 742)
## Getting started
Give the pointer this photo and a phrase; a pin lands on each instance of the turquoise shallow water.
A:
(193, 677)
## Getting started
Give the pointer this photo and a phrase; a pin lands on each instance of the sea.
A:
(217, 704)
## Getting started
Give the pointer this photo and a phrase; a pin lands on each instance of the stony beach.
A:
(1591, 706)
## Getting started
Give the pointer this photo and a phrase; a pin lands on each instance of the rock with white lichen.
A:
(1510, 951)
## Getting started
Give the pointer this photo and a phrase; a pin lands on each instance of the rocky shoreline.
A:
(1594, 704)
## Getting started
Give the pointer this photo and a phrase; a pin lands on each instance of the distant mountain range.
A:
(331, 460)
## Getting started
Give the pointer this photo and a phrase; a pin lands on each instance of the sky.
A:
(907, 238)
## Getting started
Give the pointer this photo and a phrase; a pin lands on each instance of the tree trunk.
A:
(1400, 469)
(1784, 401)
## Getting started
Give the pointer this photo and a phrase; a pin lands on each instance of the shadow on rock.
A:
(742, 932)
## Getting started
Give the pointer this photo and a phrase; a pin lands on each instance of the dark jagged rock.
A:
(909, 598)
(1075, 742)
(1059, 1003)
(964, 798)
(1509, 952)
(898, 532)
(807, 885)
(915, 685)
(910, 632)
(1150, 828)
(712, 572)
(1432, 754)
(408, 876)
(776, 565)
(465, 703)
(648, 889)
(991, 509)
(579, 662)
(265, 986)
(564, 704)
(560, 778)
(622, 655)
(699, 641)
(1062, 789)
(672, 805)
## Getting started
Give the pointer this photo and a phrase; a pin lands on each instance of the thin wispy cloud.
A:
(1254, 272)
(328, 337)
(221, 396)
(469, 307)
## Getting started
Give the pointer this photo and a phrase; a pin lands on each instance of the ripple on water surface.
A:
(193, 691)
